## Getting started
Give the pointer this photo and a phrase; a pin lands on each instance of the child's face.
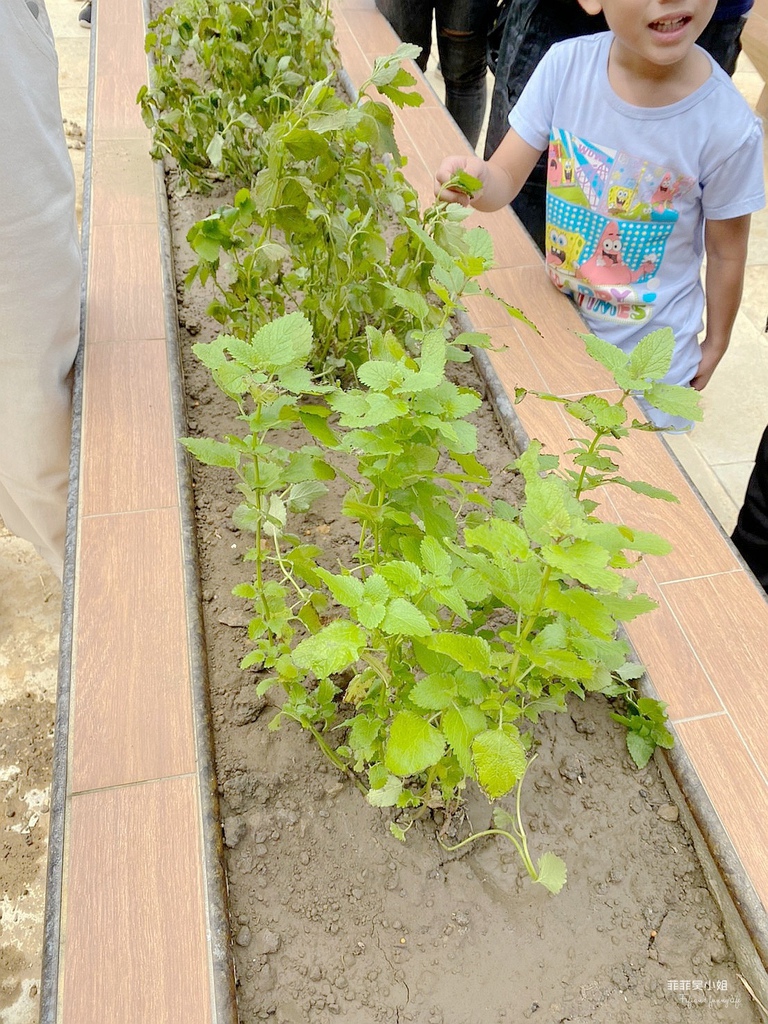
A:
(659, 32)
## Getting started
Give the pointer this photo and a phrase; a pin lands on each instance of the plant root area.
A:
(334, 919)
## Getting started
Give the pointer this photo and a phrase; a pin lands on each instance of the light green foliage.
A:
(422, 662)
(222, 70)
(315, 230)
(459, 621)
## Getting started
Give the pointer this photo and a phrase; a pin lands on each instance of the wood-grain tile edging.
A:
(736, 880)
(221, 982)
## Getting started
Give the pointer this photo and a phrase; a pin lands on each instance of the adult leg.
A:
(39, 284)
(462, 33)
(412, 20)
(723, 40)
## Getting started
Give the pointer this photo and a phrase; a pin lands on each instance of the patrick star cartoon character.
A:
(665, 193)
(606, 265)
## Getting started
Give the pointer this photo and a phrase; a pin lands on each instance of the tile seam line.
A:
(731, 717)
(120, 786)
(130, 512)
(700, 718)
(716, 690)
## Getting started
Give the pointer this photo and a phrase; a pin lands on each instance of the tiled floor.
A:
(137, 941)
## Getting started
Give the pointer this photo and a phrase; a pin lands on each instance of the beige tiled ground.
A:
(719, 454)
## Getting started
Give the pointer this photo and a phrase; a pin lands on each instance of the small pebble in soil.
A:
(668, 812)
(235, 830)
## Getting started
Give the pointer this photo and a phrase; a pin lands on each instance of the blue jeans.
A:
(462, 29)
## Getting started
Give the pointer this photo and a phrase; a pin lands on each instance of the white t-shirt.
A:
(629, 188)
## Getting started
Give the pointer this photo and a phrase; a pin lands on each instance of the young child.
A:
(654, 159)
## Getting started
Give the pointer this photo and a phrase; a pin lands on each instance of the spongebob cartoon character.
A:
(620, 199)
(563, 248)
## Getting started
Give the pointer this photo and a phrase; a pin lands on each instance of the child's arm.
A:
(502, 176)
(726, 245)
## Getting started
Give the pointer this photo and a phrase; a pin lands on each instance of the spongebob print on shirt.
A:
(609, 216)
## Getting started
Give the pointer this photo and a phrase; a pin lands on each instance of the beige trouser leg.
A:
(39, 283)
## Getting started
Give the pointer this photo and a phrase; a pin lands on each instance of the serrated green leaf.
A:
(347, 590)
(551, 872)
(363, 734)
(301, 495)
(651, 358)
(499, 537)
(460, 725)
(640, 748)
(334, 648)
(413, 745)
(471, 652)
(379, 375)
(611, 357)
(640, 487)
(387, 796)
(676, 401)
(404, 619)
(405, 576)
(214, 150)
(583, 561)
(411, 301)
(434, 557)
(397, 831)
(434, 692)
(210, 452)
(286, 340)
(499, 761)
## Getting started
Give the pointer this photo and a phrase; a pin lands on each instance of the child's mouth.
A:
(670, 24)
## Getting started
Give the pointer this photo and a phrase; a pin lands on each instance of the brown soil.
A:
(29, 612)
(334, 919)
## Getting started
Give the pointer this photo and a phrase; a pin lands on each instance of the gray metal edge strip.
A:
(49, 981)
(214, 878)
(223, 977)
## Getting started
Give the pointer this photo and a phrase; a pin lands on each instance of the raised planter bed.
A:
(332, 918)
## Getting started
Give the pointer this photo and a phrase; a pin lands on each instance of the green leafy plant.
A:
(460, 620)
(222, 71)
(315, 231)
(422, 662)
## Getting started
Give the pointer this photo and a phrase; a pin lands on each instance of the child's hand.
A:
(459, 179)
(711, 354)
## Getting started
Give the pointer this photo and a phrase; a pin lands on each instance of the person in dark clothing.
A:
(525, 30)
(462, 30)
(751, 533)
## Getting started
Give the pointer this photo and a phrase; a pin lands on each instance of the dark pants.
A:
(529, 28)
(751, 533)
(462, 29)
